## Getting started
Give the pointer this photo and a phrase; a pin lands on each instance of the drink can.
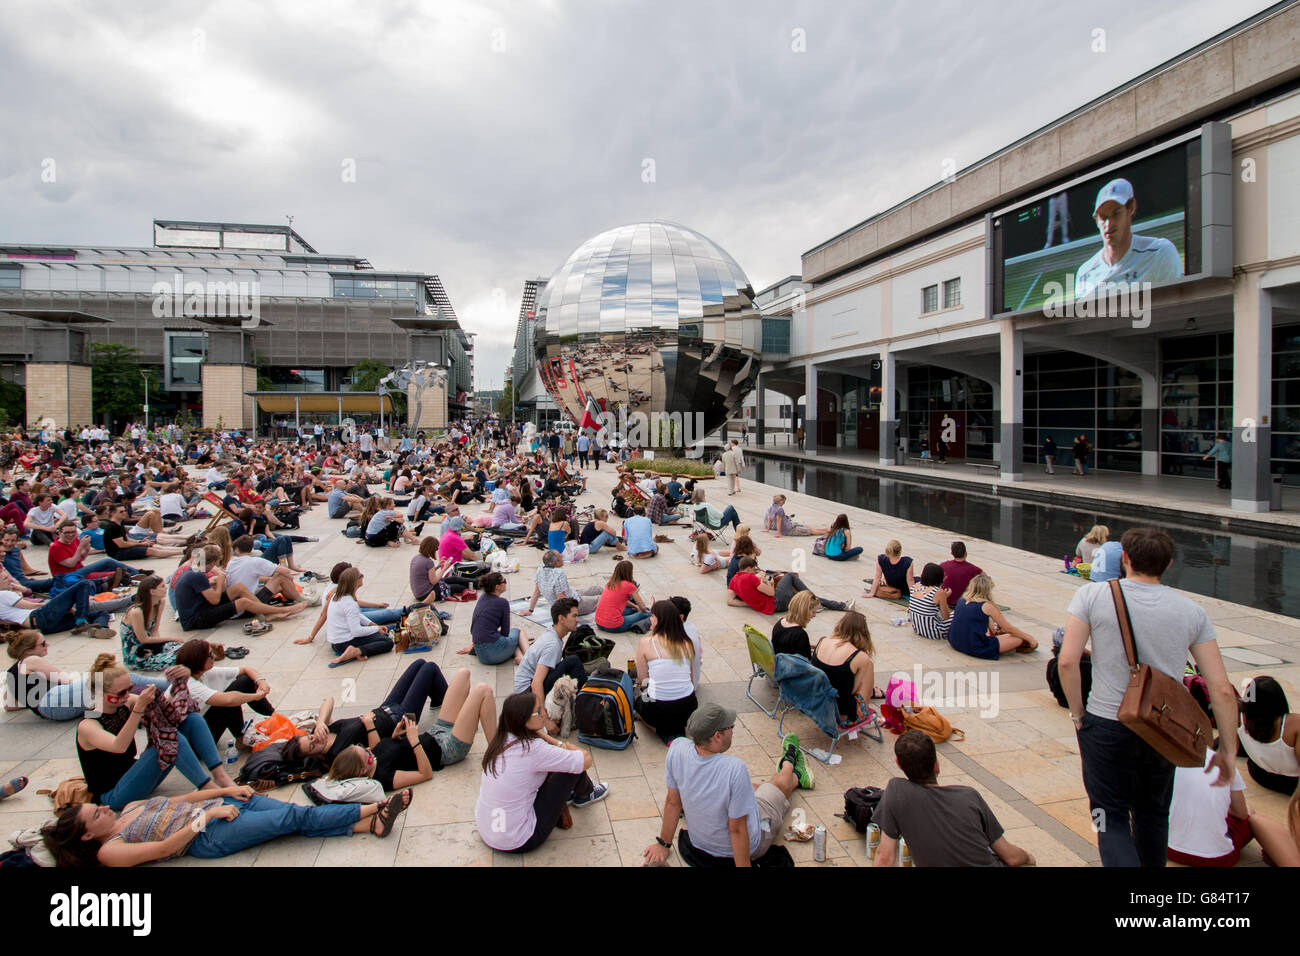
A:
(872, 840)
(904, 853)
(819, 844)
(631, 667)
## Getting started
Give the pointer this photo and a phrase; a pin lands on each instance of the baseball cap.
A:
(707, 720)
(1117, 190)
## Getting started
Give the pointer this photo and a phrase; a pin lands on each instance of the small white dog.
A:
(559, 704)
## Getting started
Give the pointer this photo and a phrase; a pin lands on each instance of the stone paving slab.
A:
(1019, 751)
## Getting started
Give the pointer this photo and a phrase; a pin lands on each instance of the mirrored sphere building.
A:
(650, 317)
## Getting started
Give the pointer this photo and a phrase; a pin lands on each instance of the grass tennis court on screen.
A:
(1024, 277)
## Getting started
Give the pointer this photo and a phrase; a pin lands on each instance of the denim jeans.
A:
(196, 754)
(262, 818)
(273, 549)
(845, 555)
(71, 701)
(500, 650)
(67, 609)
(1132, 786)
(730, 517)
(106, 565)
(383, 616)
(600, 541)
(631, 617)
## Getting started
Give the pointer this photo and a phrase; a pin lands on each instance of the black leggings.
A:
(552, 795)
(388, 533)
(42, 537)
(421, 681)
(231, 718)
(1279, 783)
(571, 666)
(667, 717)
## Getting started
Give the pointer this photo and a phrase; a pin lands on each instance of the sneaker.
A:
(850, 604)
(101, 633)
(446, 615)
(794, 756)
(311, 537)
(598, 794)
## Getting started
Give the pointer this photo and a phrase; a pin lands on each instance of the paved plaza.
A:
(1023, 758)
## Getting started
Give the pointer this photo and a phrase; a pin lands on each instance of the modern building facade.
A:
(986, 310)
(248, 322)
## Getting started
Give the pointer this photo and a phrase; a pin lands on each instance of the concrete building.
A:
(972, 311)
(219, 306)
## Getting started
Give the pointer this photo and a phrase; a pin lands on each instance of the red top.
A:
(745, 585)
(609, 609)
(956, 575)
(61, 551)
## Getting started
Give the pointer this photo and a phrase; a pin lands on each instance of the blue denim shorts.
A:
(453, 748)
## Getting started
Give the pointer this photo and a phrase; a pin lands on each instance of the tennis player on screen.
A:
(1124, 257)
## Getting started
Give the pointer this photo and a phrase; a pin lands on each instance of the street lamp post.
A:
(146, 400)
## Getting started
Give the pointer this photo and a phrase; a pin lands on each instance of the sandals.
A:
(381, 824)
(254, 628)
(237, 653)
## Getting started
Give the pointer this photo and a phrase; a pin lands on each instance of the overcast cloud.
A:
(490, 140)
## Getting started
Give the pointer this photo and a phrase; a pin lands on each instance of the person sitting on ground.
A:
(106, 744)
(621, 607)
(742, 547)
(697, 659)
(432, 577)
(230, 819)
(143, 649)
(69, 610)
(558, 531)
(351, 636)
(1097, 536)
(34, 684)
(1107, 562)
(262, 578)
(545, 661)
(500, 514)
(203, 602)
(928, 611)
(714, 517)
(772, 593)
(839, 540)
(386, 527)
(68, 554)
(528, 778)
(657, 508)
(943, 826)
(494, 640)
(664, 671)
(893, 579)
(222, 692)
(776, 521)
(599, 532)
(640, 535)
(44, 520)
(340, 504)
(978, 628)
(1208, 825)
(729, 820)
(789, 634)
(705, 558)
(958, 573)
(452, 545)
(1270, 735)
(119, 545)
(846, 656)
(16, 566)
(551, 583)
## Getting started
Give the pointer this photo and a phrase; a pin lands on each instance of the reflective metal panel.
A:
(650, 317)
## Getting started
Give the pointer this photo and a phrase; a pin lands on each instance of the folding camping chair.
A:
(817, 686)
(220, 514)
(700, 522)
(763, 661)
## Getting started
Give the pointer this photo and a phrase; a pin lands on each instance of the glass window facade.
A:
(365, 288)
(952, 293)
(10, 278)
(285, 379)
(931, 389)
(184, 360)
(1067, 394)
(776, 336)
(930, 299)
(1195, 401)
(1285, 453)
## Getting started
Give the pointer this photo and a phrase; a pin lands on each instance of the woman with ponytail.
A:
(34, 684)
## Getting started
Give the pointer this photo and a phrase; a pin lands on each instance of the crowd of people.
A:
(83, 508)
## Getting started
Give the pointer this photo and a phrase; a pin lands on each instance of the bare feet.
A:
(466, 650)
(351, 654)
(519, 658)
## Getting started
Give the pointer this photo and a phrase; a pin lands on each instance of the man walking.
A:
(584, 444)
(1129, 784)
(1049, 454)
(1221, 452)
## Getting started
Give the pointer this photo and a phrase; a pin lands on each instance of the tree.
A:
(13, 403)
(117, 388)
(506, 403)
(366, 375)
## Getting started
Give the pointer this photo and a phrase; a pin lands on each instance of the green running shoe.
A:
(794, 756)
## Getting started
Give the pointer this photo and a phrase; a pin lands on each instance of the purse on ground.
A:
(1158, 708)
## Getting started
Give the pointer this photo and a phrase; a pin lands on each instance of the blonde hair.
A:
(852, 627)
(801, 608)
(221, 538)
(600, 514)
(742, 529)
(347, 765)
(1098, 534)
(701, 547)
(894, 548)
(979, 589)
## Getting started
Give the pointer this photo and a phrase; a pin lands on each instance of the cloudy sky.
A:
(490, 139)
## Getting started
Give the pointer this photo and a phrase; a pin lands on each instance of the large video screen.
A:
(1134, 223)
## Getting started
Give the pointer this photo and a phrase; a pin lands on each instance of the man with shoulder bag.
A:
(1136, 720)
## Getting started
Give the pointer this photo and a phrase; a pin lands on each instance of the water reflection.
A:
(1233, 568)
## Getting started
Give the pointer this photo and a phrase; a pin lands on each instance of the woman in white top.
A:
(663, 666)
(1098, 535)
(705, 558)
(1270, 735)
(222, 692)
(350, 635)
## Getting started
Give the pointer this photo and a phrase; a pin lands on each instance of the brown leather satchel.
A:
(1157, 707)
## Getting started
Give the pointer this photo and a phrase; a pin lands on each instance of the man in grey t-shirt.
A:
(544, 662)
(943, 826)
(1129, 784)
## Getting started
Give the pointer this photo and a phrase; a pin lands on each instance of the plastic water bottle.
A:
(232, 754)
(899, 621)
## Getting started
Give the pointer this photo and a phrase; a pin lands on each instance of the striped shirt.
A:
(160, 817)
(924, 614)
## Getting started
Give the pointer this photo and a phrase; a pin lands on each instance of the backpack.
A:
(931, 723)
(860, 805)
(420, 629)
(70, 793)
(587, 645)
(268, 766)
(354, 790)
(819, 545)
(1054, 678)
(603, 710)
